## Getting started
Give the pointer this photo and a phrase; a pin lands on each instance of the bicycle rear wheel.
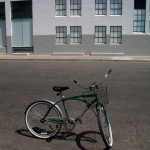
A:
(104, 126)
(34, 119)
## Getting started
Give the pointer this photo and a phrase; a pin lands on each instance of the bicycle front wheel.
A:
(104, 126)
(39, 127)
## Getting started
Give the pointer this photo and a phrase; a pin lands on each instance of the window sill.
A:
(75, 43)
(139, 33)
(99, 43)
(115, 15)
(60, 16)
(76, 16)
(115, 44)
(100, 15)
(61, 44)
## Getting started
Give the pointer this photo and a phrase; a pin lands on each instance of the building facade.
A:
(75, 27)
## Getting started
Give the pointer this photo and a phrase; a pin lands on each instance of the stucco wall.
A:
(45, 22)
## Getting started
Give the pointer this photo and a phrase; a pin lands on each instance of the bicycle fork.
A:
(102, 108)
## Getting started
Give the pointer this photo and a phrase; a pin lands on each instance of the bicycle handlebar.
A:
(94, 83)
(109, 71)
(106, 75)
(80, 85)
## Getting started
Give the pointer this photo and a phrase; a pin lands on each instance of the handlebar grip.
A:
(109, 71)
(75, 82)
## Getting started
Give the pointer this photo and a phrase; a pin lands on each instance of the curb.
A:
(75, 58)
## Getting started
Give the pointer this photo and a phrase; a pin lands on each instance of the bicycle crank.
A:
(69, 124)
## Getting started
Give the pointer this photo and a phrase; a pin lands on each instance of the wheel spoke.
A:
(42, 129)
(104, 126)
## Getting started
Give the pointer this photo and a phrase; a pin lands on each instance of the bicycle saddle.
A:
(60, 88)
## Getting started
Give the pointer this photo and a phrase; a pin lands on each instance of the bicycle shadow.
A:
(25, 132)
(86, 140)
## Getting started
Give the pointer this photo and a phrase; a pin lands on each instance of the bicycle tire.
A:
(104, 126)
(33, 115)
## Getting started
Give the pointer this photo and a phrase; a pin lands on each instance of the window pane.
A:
(100, 34)
(116, 7)
(139, 20)
(75, 7)
(61, 34)
(116, 34)
(2, 25)
(100, 7)
(2, 33)
(17, 33)
(2, 11)
(27, 32)
(75, 34)
(139, 4)
(60, 6)
(21, 9)
(22, 32)
(149, 24)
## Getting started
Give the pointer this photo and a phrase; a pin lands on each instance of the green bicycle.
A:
(44, 118)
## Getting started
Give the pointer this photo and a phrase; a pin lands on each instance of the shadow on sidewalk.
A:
(86, 140)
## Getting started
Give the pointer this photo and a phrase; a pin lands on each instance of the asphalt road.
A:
(22, 82)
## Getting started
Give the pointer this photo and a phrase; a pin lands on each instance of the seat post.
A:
(60, 95)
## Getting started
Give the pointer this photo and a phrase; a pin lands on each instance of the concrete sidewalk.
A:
(74, 58)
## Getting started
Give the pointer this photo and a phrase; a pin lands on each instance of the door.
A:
(22, 28)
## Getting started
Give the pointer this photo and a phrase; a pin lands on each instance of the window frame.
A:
(75, 34)
(61, 34)
(115, 7)
(100, 35)
(101, 6)
(139, 20)
(116, 35)
(75, 7)
(61, 7)
(139, 16)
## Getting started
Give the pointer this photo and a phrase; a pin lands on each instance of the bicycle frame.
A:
(81, 98)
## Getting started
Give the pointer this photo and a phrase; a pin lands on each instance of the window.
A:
(2, 25)
(139, 16)
(2, 11)
(75, 7)
(100, 34)
(139, 20)
(75, 34)
(60, 6)
(116, 35)
(149, 17)
(149, 26)
(116, 7)
(61, 34)
(21, 9)
(100, 7)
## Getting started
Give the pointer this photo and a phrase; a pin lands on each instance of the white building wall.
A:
(45, 22)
